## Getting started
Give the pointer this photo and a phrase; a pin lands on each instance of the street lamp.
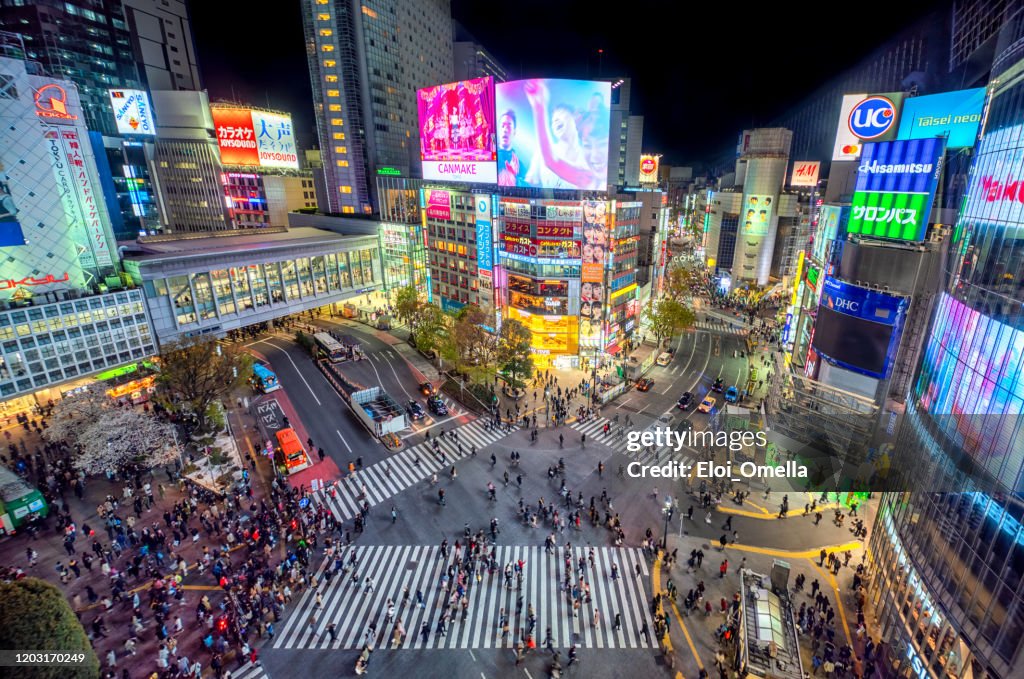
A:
(668, 510)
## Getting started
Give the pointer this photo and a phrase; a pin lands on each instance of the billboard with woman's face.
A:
(595, 241)
(553, 133)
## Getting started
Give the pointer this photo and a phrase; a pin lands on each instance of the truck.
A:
(378, 412)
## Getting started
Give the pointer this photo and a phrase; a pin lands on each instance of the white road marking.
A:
(301, 376)
(343, 440)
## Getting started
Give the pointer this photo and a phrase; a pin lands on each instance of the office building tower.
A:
(625, 137)
(107, 44)
(366, 61)
(472, 60)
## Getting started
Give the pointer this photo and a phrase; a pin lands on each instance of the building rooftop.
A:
(768, 630)
(242, 243)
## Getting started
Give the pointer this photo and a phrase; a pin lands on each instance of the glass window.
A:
(305, 277)
(240, 283)
(332, 271)
(204, 296)
(319, 278)
(291, 281)
(346, 276)
(257, 278)
(274, 282)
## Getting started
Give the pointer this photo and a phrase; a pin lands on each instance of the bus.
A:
(264, 379)
(295, 456)
(19, 502)
(330, 348)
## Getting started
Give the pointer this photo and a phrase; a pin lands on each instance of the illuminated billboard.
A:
(858, 328)
(648, 169)
(953, 115)
(553, 133)
(439, 204)
(995, 194)
(805, 173)
(132, 112)
(484, 236)
(251, 138)
(595, 241)
(896, 184)
(456, 123)
(829, 219)
(756, 215)
(863, 118)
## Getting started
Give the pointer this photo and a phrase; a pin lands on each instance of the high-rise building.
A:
(625, 137)
(185, 166)
(107, 44)
(60, 317)
(366, 61)
(472, 60)
(948, 586)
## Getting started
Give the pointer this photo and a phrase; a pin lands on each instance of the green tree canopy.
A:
(196, 371)
(668, 317)
(514, 355)
(35, 616)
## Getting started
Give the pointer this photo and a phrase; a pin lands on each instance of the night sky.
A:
(680, 56)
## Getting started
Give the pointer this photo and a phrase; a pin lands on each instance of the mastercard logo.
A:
(851, 150)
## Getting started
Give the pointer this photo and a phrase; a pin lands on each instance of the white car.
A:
(665, 358)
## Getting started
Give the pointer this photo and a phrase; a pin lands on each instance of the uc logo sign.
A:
(872, 117)
(482, 206)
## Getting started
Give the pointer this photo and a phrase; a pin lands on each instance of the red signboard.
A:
(517, 228)
(236, 136)
(548, 231)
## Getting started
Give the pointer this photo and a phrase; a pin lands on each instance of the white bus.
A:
(329, 347)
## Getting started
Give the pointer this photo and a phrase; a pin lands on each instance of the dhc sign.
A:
(872, 117)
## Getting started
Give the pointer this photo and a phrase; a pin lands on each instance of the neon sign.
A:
(52, 102)
(10, 283)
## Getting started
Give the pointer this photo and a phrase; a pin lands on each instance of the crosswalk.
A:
(392, 567)
(725, 328)
(400, 471)
(594, 429)
(248, 671)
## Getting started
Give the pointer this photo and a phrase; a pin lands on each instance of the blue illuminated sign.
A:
(861, 302)
(872, 117)
(954, 115)
(906, 166)
(484, 239)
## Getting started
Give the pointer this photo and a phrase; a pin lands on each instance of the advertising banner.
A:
(439, 204)
(805, 173)
(484, 238)
(275, 141)
(853, 300)
(649, 169)
(236, 137)
(829, 219)
(10, 229)
(548, 231)
(517, 228)
(553, 133)
(954, 115)
(756, 215)
(864, 117)
(896, 184)
(456, 123)
(996, 189)
(132, 112)
(85, 195)
(595, 241)
(591, 309)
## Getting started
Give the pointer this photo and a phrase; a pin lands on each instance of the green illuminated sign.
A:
(883, 214)
(813, 273)
(118, 372)
(389, 171)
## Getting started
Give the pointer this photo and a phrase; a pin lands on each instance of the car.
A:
(665, 358)
(732, 395)
(427, 389)
(644, 384)
(706, 405)
(718, 385)
(415, 411)
(437, 406)
(685, 401)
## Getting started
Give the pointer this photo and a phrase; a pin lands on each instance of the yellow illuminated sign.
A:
(799, 274)
(623, 291)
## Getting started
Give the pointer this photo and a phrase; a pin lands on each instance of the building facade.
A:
(949, 551)
(625, 137)
(366, 61)
(472, 60)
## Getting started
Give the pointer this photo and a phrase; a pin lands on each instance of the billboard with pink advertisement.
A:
(457, 131)
(439, 204)
(553, 133)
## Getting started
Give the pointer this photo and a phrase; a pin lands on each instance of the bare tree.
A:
(74, 412)
(196, 371)
(123, 436)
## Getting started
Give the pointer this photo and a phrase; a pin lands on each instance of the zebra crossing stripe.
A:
(248, 671)
(344, 503)
(353, 611)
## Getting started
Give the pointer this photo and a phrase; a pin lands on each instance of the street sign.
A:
(303, 503)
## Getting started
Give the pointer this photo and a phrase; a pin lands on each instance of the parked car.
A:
(427, 389)
(685, 401)
(415, 411)
(437, 406)
(718, 385)
(732, 395)
(706, 405)
(644, 384)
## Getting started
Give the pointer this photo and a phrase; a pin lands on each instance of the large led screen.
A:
(852, 341)
(553, 133)
(457, 130)
(971, 386)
